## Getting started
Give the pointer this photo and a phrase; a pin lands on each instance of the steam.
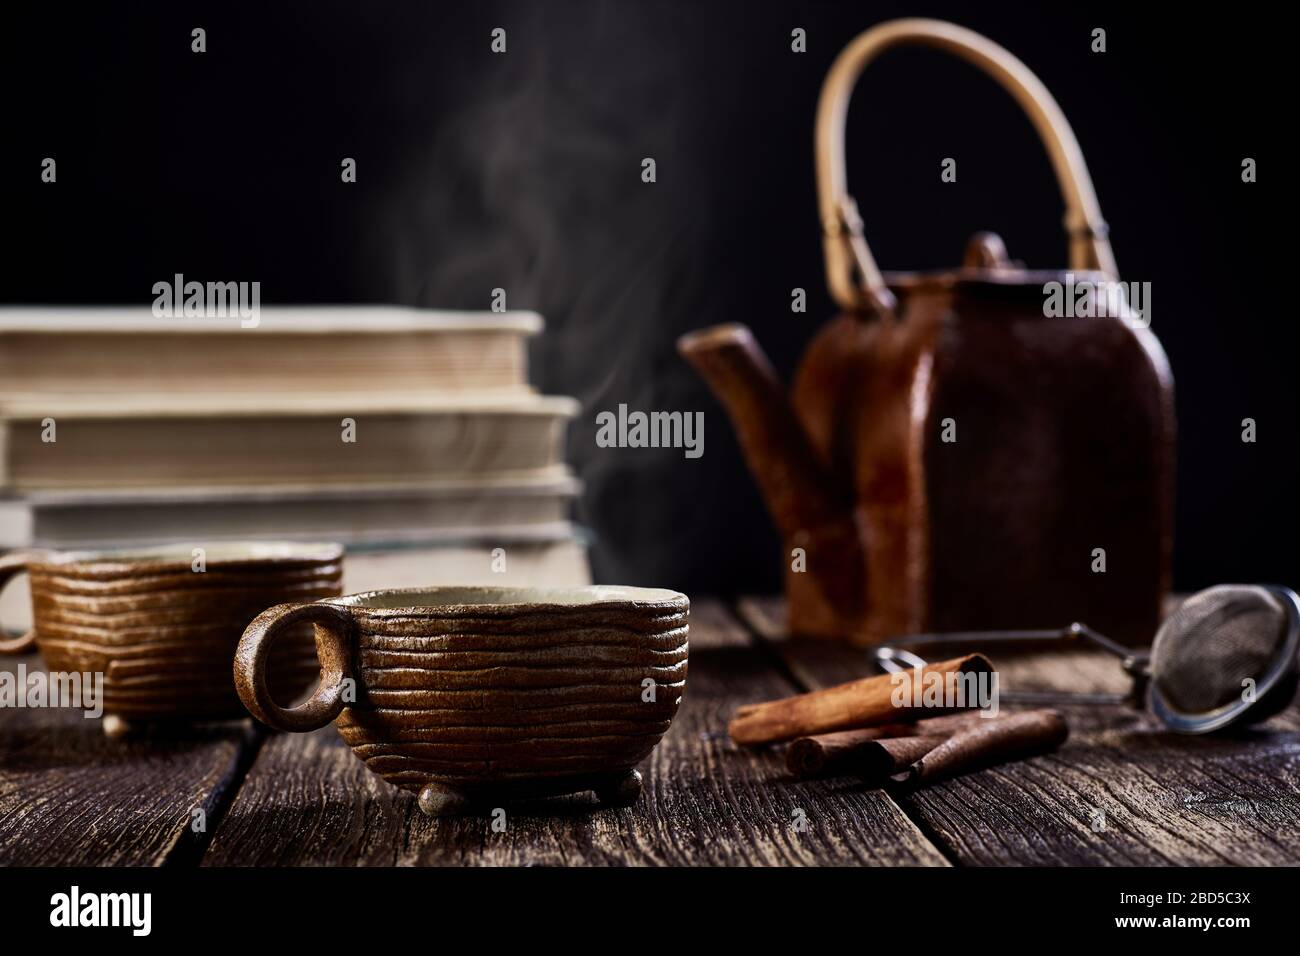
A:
(533, 184)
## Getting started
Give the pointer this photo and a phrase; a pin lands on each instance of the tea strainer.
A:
(1228, 655)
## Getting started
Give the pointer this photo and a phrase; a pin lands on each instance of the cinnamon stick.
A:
(860, 703)
(818, 753)
(987, 742)
(843, 750)
(949, 724)
(873, 752)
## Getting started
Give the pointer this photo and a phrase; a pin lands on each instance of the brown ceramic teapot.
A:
(955, 455)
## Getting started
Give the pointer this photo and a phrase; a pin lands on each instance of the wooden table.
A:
(1121, 791)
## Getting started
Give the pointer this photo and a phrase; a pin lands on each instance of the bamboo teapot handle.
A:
(852, 276)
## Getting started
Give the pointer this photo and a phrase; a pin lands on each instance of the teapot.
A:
(955, 454)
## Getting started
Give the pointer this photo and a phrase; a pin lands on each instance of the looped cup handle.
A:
(333, 650)
(11, 565)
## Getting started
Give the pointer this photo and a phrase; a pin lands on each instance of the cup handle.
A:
(332, 649)
(10, 565)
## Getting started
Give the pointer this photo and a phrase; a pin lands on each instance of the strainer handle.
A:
(851, 273)
(1070, 632)
(894, 650)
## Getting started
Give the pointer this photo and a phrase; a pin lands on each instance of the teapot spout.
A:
(795, 482)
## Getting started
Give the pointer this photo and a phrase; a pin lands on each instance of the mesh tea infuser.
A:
(1197, 676)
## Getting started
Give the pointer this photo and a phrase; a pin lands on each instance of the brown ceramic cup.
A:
(162, 623)
(464, 694)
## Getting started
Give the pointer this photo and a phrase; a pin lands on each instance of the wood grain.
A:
(1158, 797)
(308, 801)
(70, 796)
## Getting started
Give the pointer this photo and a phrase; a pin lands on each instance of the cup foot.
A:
(620, 791)
(115, 727)
(612, 790)
(440, 800)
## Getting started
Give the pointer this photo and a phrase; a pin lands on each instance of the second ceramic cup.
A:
(161, 624)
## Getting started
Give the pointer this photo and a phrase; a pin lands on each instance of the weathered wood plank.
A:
(307, 800)
(1121, 791)
(71, 796)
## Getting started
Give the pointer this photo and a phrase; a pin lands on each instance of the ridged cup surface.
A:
(485, 695)
(164, 635)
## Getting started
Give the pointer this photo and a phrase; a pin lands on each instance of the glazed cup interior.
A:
(240, 552)
(442, 598)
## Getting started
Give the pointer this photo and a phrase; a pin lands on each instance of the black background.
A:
(522, 171)
(267, 907)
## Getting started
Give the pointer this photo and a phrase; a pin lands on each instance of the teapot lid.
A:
(987, 271)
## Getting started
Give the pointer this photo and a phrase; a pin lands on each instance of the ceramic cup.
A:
(161, 624)
(464, 694)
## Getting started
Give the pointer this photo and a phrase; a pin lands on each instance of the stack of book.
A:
(411, 436)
